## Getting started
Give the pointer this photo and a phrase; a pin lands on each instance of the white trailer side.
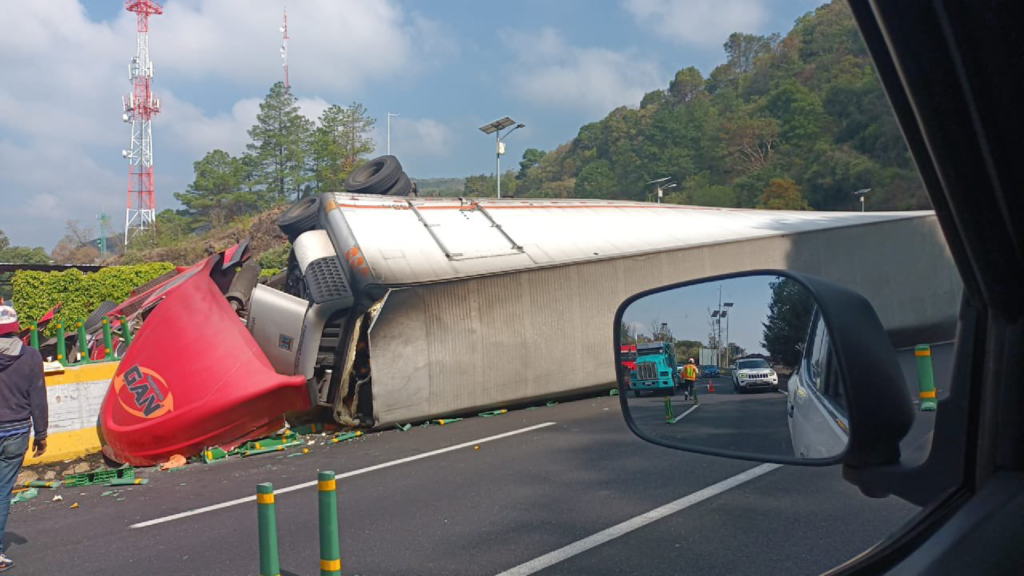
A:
(495, 302)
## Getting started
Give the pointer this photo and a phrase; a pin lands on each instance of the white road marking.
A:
(608, 534)
(683, 415)
(374, 468)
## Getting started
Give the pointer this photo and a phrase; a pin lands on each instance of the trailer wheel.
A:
(299, 217)
(375, 177)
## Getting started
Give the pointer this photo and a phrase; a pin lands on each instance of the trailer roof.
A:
(422, 240)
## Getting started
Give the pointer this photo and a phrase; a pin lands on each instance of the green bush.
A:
(275, 258)
(268, 272)
(80, 294)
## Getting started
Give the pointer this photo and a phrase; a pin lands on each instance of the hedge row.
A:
(80, 294)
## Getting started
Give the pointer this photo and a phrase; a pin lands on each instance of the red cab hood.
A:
(193, 377)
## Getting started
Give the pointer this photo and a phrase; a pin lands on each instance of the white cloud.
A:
(186, 128)
(44, 185)
(63, 77)
(705, 23)
(334, 45)
(553, 72)
(415, 137)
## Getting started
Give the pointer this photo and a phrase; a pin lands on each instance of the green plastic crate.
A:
(99, 477)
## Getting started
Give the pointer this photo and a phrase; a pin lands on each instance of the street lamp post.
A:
(495, 128)
(662, 184)
(728, 351)
(862, 192)
(390, 114)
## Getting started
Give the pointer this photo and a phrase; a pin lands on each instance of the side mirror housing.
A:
(859, 405)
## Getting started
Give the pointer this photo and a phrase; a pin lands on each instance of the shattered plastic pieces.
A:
(175, 461)
(25, 496)
(346, 436)
(263, 447)
(129, 482)
(213, 454)
(493, 413)
(53, 485)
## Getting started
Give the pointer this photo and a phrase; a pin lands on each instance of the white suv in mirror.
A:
(754, 374)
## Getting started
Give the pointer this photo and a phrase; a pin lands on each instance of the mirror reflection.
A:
(741, 364)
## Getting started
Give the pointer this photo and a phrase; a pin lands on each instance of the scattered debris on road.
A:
(25, 496)
(175, 461)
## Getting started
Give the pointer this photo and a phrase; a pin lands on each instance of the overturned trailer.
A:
(404, 309)
(397, 309)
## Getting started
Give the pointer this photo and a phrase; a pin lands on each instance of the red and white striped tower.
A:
(139, 108)
(284, 47)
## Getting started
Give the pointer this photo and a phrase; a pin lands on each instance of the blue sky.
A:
(447, 66)
(686, 310)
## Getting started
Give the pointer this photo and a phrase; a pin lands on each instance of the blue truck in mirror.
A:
(656, 369)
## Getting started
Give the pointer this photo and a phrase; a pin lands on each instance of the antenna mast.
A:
(139, 108)
(284, 47)
(104, 230)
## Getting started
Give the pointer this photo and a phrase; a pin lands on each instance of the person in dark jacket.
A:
(22, 407)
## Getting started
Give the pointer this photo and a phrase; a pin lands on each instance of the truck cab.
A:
(656, 369)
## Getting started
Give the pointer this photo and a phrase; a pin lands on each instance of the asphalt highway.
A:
(754, 422)
(565, 489)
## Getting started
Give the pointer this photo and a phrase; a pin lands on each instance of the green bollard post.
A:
(330, 551)
(62, 346)
(83, 341)
(33, 338)
(126, 332)
(668, 410)
(270, 563)
(108, 340)
(925, 378)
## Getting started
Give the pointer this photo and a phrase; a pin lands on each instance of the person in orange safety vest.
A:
(690, 375)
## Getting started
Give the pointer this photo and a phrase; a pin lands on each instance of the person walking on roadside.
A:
(690, 375)
(22, 407)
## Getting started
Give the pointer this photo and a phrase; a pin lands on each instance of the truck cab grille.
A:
(646, 371)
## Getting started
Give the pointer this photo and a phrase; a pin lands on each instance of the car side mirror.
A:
(836, 395)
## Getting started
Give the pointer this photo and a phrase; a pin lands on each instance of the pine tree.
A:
(340, 143)
(280, 144)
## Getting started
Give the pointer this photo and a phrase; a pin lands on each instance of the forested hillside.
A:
(787, 122)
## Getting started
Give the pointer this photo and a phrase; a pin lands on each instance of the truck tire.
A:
(375, 177)
(401, 188)
(299, 217)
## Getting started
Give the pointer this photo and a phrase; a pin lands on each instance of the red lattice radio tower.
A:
(139, 108)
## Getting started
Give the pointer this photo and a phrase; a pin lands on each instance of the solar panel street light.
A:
(495, 128)
(861, 193)
(497, 125)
